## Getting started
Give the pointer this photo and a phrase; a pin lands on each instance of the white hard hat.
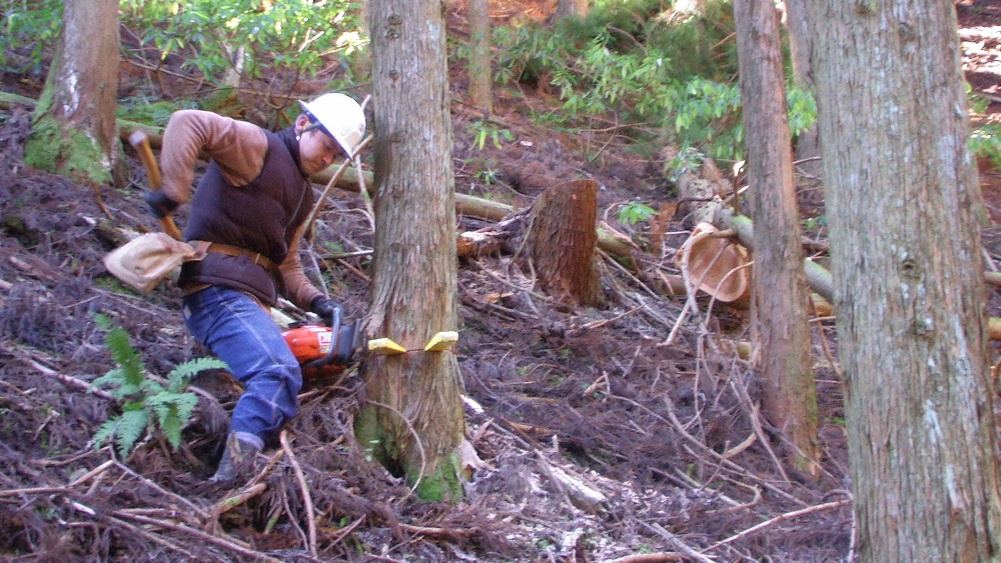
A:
(340, 117)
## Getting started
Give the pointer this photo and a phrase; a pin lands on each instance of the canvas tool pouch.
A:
(146, 260)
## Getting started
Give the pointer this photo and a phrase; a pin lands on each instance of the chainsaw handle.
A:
(335, 337)
(140, 141)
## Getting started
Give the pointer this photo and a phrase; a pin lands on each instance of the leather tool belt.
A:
(255, 257)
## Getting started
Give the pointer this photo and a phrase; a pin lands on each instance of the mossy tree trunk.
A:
(780, 294)
(413, 419)
(74, 133)
(905, 213)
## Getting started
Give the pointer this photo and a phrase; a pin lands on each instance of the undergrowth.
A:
(145, 404)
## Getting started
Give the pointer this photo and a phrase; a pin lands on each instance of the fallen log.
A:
(817, 277)
(609, 240)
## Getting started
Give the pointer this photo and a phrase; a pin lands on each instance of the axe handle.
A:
(140, 141)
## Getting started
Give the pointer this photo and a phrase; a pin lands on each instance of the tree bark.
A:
(780, 296)
(903, 200)
(413, 420)
(561, 241)
(480, 75)
(567, 8)
(74, 132)
(800, 47)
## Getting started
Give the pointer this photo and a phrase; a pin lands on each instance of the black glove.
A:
(159, 204)
(326, 308)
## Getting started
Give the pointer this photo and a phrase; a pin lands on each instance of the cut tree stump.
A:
(561, 241)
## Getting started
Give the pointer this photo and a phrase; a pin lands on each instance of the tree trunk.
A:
(413, 418)
(903, 200)
(566, 8)
(800, 46)
(780, 295)
(561, 241)
(74, 132)
(480, 76)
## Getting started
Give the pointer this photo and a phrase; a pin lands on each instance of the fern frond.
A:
(131, 427)
(105, 432)
(173, 412)
(182, 374)
(132, 367)
(112, 378)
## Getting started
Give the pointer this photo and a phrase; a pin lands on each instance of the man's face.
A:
(317, 150)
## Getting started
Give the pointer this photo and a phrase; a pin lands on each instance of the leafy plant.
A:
(146, 404)
(33, 24)
(225, 35)
(635, 212)
(659, 74)
(985, 142)
(483, 130)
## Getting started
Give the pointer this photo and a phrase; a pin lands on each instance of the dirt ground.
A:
(598, 441)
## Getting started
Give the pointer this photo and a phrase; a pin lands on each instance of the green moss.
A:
(223, 101)
(71, 154)
(442, 484)
(154, 115)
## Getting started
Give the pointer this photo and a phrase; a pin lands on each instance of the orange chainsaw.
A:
(323, 350)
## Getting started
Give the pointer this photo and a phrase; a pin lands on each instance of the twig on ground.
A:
(777, 519)
(214, 540)
(663, 557)
(751, 412)
(153, 537)
(730, 465)
(307, 499)
(195, 509)
(676, 542)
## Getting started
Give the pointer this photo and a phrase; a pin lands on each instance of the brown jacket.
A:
(251, 198)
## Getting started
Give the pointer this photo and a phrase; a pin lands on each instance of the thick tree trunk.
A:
(480, 75)
(561, 241)
(413, 420)
(903, 200)
(74, 132)
(780, 295)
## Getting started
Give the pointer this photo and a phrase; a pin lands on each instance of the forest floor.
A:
(598, 442)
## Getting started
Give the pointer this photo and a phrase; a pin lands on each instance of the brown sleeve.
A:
(298, 288)
(238, 147)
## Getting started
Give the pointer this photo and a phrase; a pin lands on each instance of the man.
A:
(251, 204)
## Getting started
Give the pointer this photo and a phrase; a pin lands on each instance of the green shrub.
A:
(34, 24)
(292, 36)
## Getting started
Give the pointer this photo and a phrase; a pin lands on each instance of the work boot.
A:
(237, 459)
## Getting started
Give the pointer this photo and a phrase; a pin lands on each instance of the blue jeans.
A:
(242, 333)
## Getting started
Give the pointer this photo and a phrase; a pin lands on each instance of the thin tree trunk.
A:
(480, 76)
(566, 8)
(74, 132)
(904, 202)
(780, 296)
(413, 418)
(800, 46)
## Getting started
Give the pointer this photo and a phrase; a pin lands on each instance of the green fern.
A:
(146, 404)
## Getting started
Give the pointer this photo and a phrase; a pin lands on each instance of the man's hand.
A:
(159, 204)
(326, 308)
